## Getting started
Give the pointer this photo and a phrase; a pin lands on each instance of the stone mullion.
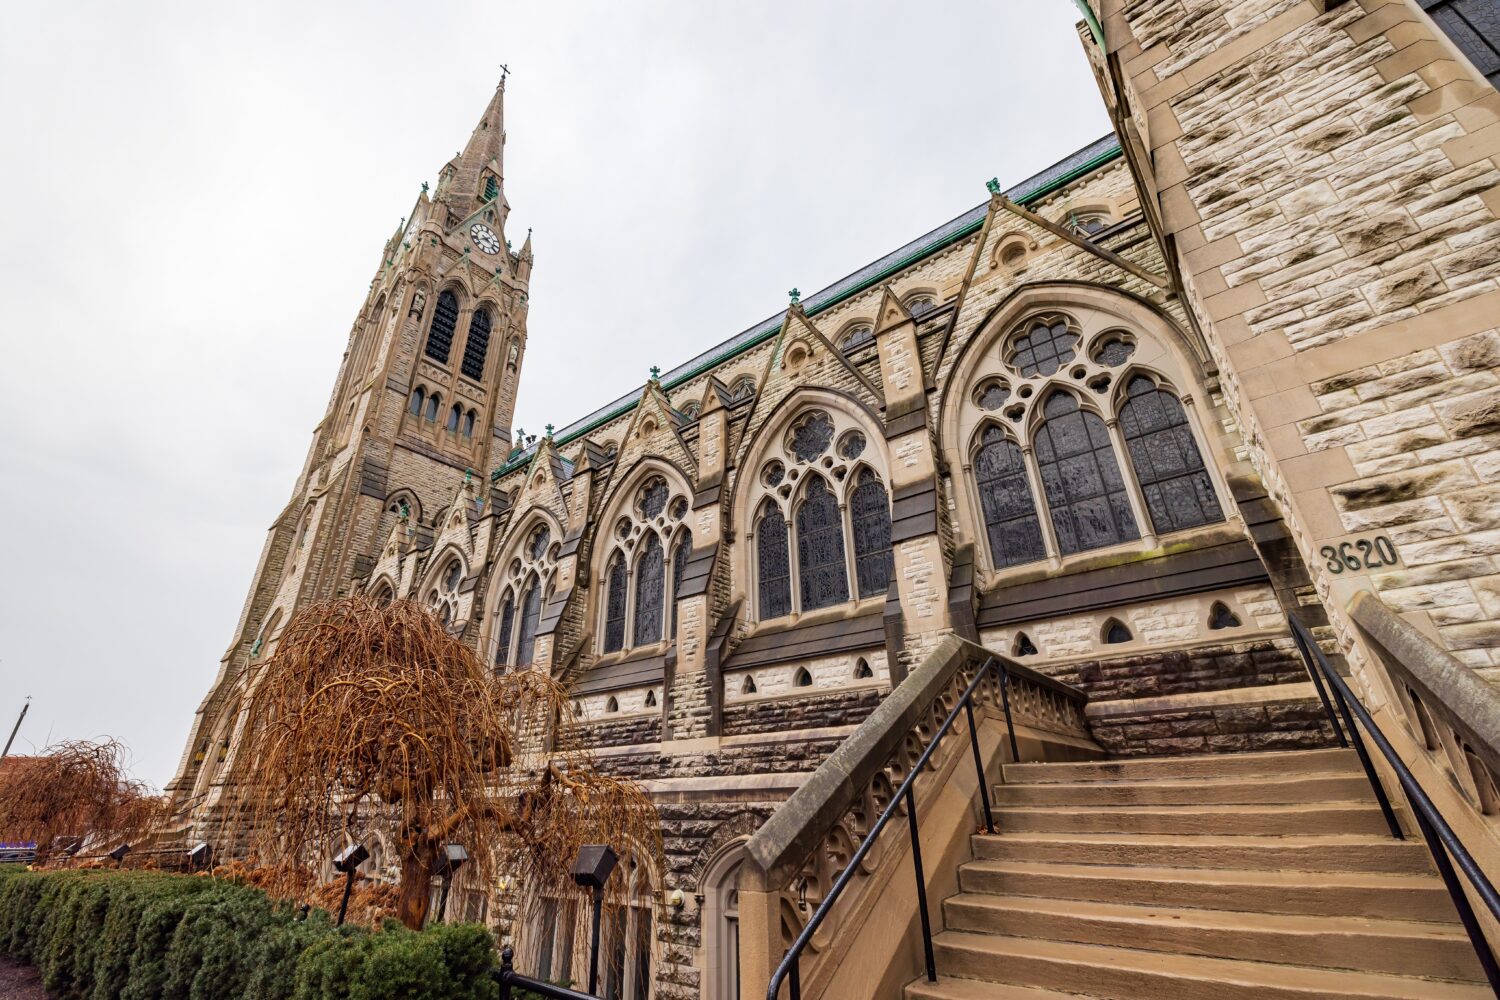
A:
(1040, 504)
(1132, 486)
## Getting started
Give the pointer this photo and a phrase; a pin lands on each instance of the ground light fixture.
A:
(119, 852)
(450, 861)
(591, 870)
(199, 856)
(348, 862)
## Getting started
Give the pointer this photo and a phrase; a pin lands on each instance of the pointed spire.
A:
(475, 176)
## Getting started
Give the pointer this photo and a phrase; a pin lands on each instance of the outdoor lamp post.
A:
(591, 871)
(348, 862)
(452, 860)
(199, 856)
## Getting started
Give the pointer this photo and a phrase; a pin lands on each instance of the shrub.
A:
(111, 935)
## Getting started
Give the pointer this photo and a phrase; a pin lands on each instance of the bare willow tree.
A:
(371, 722)
(77, 788)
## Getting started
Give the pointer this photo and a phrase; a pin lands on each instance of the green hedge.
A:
(112, 935)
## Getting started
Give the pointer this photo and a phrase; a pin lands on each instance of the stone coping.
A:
(1266, 694)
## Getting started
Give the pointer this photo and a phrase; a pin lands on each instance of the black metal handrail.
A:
(510, 979)
(790, 968)
(1442, 842)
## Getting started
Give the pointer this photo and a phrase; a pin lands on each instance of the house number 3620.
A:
(1359, 553)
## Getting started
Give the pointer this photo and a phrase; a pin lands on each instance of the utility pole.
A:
(17, 729)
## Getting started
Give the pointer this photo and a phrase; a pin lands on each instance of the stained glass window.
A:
(1165, 458)
(870, 516)
(507, 621)
(852, 445)
(536, 547)
(478, 345)
(1085, 492)
(654, 497)
(1114, 352)
(614, 608)
(648, 593)
(822, 570)
(452, 576)
(679, 567)
(811, 436)
(1043, 348)
(440, 334)
(773, 562)
(992, 396)
(1005, 498)
(531, 613)
(773, 474)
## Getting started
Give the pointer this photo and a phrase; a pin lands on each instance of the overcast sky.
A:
(198, 194)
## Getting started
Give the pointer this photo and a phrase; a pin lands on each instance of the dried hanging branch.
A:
(77, 788)
(371, 723)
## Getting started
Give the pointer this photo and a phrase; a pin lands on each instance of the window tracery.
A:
(637, 586)
(1010, 520)
(1164, 456)
(526, 579)
(443, 597)
(1086, 494)
(857, 336)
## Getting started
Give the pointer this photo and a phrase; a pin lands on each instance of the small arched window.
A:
(1219, 617)
(822, 569)
(1023, 645)
(612, 705)
(862, 671)
(614, 605)
(384, 595)
(1115, 631)
(531, 613)
(433, 402)
(651, 699)
(860, 335)
(748, 687)
(1010, 518)
(469, 419)
(870, 517)
(477, 347)
(507, 623)
(690, 409)
(919, 304)
(803, 679)
(648, 593)
(743, 388)
(773, 563)
(418, 397)
(491, 188)
(1165, 458)
(679, 568)
(1085, 492)
(454, 415)
(440, 333)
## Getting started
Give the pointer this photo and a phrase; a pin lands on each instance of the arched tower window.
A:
(531, 613)
(870, 519)
(440, 334)
(418, 397)
(469, 419)
(478, 344)
(1165, 458)
(433, 402)
(679, 568)
(648, 593)
(614, 614)
(773, 563)
(454, 415)
(491, 188)
(507, 624)
(1085, 493)
(822, 571)
(1005, 498)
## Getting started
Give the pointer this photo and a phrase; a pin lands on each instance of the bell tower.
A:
(423, 402)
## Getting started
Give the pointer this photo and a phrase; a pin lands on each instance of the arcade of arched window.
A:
(1106, 444)
(821, 529)
(443, 596)
(647, 554)
(527, 583)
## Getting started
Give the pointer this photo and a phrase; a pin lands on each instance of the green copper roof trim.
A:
(1093, 21)
(901, 264)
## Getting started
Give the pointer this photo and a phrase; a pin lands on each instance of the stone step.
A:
(1395, 947)
(1355, 894)
(1129, 974)
(1339, 787)
(1292, 820)
(1331, 853)
(1280, 763)
(949, 988)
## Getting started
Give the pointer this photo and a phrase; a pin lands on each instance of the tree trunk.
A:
(416, 886)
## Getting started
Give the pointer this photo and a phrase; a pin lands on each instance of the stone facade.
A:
(1109, 423)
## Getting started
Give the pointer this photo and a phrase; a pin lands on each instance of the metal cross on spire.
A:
(504, 72)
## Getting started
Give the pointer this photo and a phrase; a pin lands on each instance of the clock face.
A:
(484, 238)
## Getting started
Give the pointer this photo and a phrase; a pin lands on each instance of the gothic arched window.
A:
(418, 397)
(469, 419)
(857, 337)
(507, 622)
(648, 593)
(1165, 458)
(870, 518)
(1005, 497)
(433, 402)
(614, 605)
(1085, 492)
(531, 613)
(454, 415)
(773, 563)
(478, 344)
(822, 570)
(440, 334)
(679, 567)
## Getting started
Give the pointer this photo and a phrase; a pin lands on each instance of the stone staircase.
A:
(1259, 875)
